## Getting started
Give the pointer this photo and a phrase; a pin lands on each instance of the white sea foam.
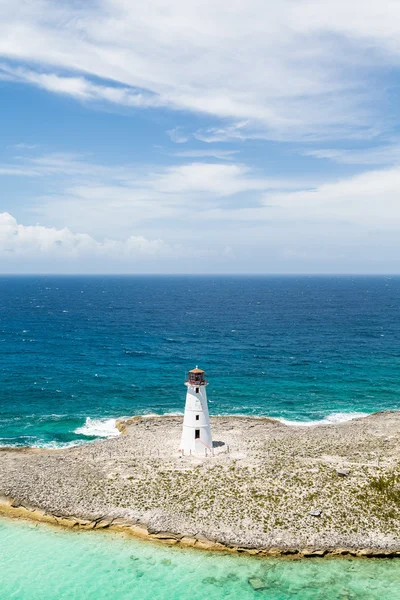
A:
(153, 414)
(106, 428)
(58, 445)
(332, 419)
(39, 444)
(98, 428)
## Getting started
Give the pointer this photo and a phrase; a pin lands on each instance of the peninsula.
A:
(267, 489)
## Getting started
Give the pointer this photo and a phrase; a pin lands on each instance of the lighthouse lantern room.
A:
(196, 432)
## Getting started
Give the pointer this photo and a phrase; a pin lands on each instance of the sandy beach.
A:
(267, 489)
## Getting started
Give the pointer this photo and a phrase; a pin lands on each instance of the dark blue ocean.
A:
(78, 352)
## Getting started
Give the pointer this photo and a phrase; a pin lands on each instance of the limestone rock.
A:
(289, 551)
(344, 552)
(165, 535)
(371, 553)
(209, 545)
(256, 583)
(343, 472)
(314, 553)
(188, 542)
(103, 524)
(273, 552)
(169, 542)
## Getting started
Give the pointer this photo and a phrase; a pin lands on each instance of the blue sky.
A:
(190, 137)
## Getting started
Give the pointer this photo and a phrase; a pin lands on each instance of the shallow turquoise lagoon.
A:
(39, 562)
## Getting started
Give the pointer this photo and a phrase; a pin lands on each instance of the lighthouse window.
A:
(197, 390)
(197, 434)
(197, 417)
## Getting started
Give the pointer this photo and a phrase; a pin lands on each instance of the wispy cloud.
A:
(178, 136)
(104, 198)
(230, 133)
(155, 197)
(379, 155)
(61, 164)
(207, 153)
(366, 202)
(109, 198)
(289, 70)
(210, 210)
(24, 146)
(83, 89)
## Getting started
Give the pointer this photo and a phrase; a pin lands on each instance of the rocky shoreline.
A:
(267, 490)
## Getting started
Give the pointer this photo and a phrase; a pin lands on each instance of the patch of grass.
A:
(388, 486)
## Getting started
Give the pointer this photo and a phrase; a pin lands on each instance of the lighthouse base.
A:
(196, 441)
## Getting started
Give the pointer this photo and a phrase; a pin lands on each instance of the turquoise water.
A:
(42, 563)
(77, 352)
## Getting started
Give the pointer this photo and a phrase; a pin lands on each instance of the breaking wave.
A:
(332, 419)
(58, 445)
(98, 428)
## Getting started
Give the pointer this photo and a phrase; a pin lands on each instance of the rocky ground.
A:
(269, 488)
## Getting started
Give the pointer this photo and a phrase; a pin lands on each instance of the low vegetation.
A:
(276, 486)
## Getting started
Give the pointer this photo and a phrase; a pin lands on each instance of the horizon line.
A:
(338, 274)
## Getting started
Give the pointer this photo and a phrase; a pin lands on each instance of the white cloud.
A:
(82, 89)
(380, 155)
(17, 240)
(207, 153)
(59, 164)
(106, 199)
(24, 146)
(170, 198)
(367, 202)
(298, 70)
(213, 178)
(209, 176)
(227, 215)
(231, 133)
(178, 136)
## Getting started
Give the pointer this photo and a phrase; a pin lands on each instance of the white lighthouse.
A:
(196, 432)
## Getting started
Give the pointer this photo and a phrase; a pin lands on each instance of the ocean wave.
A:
(106, 427)
(332, 419)
(98, 428)
(40, 444)
(154, 414)
(57, 445)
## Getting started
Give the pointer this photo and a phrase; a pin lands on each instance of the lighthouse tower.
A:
(196, 433)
